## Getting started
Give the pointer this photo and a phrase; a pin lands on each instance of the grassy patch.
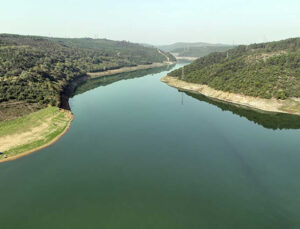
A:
(32, 131)
(291, 106)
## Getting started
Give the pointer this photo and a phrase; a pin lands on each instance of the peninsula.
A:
(38, 74)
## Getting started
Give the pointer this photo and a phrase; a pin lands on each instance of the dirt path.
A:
(168, 58)
(187, 58)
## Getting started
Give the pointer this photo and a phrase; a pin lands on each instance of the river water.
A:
(141, 154)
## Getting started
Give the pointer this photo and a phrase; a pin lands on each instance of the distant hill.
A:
(179, 45)
(38, 69)
(266, 70)
(199, 49)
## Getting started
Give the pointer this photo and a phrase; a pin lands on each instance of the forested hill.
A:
(37, 69)
(180, 45)
(263, 70)
(199, 49)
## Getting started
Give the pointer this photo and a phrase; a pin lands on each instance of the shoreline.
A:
(288, 106)
(186, 58)
(128, 69)
(54, 140)
(69, 90)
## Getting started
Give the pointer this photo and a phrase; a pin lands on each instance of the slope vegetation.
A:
(266, 70)
(199, 49)
(38, 69)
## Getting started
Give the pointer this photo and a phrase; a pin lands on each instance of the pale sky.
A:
(155, 21)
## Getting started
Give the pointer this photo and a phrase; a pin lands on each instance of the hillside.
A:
(199, 49)
(36, 70)
(179, 45)
(266, 70)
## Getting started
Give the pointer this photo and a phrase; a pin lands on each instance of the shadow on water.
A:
(268, 120)
(106, 80)
(279, 214)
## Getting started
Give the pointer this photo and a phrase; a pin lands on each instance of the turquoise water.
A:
(141, 154)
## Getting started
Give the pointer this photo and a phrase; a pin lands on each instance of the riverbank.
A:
(70, 89)
(128, 69)
(289, 106)
(33, 132)
(186, 58)
(30, 133)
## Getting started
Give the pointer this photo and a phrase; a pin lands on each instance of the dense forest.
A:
(263, 70)
(37, 69)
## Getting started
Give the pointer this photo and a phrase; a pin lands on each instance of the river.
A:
(140, 154)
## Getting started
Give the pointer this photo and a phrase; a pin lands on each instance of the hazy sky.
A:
(155, 21)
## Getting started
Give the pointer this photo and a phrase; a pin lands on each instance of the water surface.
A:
(141, 154)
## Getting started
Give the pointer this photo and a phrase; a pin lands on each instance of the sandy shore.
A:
(11, 158)
(186, 58)
(290, 106)
(127, 69)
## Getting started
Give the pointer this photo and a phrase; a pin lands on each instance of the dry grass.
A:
(32, 131)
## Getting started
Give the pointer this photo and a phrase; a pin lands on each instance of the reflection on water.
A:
(106, 80)
(134, 157)
(268, 120)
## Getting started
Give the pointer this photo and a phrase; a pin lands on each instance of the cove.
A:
(141, 154)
